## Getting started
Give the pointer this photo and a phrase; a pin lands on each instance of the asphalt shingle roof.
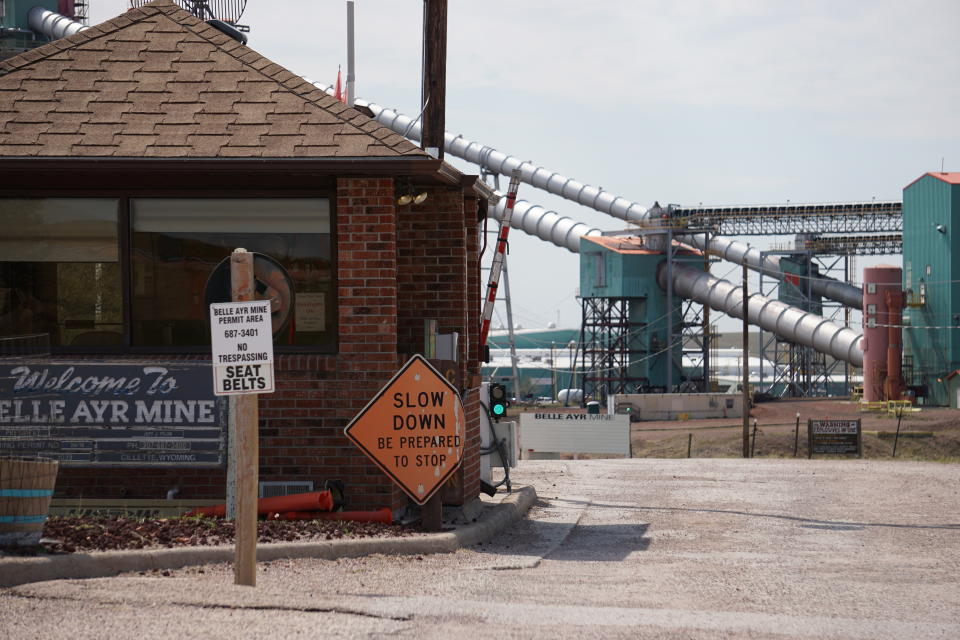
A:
(158, 82)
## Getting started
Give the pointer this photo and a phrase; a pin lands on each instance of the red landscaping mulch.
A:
(91, 533)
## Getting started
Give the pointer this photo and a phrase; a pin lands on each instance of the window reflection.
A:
(59, 270)
(177, 243)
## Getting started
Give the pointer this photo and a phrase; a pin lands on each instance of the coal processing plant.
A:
(647, 293)
(650, 303)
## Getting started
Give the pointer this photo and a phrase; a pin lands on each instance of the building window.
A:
(599, 270)
(66, 280)
(60, 270)
(176, 244)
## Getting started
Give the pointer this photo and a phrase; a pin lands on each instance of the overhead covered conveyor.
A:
(792, 323)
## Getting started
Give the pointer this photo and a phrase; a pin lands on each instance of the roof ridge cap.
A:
(241, 50)
(89, 34)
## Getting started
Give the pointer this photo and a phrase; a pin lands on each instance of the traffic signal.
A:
(498, 400)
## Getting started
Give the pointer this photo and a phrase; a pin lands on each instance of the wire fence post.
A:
(796, 436)
(753, 445)
(745, 367)
(896, 438)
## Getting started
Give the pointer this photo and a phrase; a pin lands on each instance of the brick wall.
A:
(394, 268)
(433, 253)
(471, 346)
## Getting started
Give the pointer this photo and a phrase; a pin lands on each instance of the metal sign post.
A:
(242, 349)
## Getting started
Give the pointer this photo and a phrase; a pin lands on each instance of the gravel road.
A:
(646, 548)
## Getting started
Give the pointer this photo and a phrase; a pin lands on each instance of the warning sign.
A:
(834, 437)
(242, 345)
(413, 429)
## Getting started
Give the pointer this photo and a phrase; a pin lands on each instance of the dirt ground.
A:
(928, 434)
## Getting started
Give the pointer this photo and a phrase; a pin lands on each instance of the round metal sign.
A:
(271, 282)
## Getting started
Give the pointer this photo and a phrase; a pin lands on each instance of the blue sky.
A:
(719, 102)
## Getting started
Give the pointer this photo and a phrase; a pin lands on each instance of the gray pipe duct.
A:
(740, 253)
(500, 162)
(547, 225)
(52, 24)
(791, 323)
(601, 200)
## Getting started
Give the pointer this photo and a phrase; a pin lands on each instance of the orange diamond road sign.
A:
(413, 429)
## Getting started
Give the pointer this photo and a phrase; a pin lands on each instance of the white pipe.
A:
(791, 323)
(52, 24)
(547, 225)
(602, 201)
(494, 160)
(740, 253)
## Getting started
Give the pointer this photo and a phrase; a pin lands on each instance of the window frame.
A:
(125, 238)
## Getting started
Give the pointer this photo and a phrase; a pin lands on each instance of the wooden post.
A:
(745, 373)
(232, 459)
(247, 445)
(431, 513)
(689, 444)
(433, 100)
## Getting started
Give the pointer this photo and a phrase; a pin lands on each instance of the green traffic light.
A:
(499, 409)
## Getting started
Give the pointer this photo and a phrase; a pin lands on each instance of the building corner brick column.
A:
(367, 305)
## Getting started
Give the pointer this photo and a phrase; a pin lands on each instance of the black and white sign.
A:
(838, 437)
(112, 414)
(242, 346)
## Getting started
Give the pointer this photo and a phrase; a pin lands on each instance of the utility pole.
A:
(434, 92)
(746, 367)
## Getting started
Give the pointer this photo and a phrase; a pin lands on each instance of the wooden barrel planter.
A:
(26, 486)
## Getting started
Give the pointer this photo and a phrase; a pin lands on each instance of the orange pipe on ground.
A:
(310, 502)
(384, 515)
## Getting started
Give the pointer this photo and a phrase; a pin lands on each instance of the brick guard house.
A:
(136, 155)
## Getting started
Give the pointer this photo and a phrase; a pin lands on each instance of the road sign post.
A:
(414, 430)
(242, 350)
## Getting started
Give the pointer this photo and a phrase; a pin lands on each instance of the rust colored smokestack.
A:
(893, 387)
(877, 281)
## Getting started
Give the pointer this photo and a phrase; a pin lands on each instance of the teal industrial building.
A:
(931, 279)
(633, 339)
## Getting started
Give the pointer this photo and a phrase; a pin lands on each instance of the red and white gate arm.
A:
(497, 266)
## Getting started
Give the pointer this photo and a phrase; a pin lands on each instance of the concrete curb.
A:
(16, 570)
